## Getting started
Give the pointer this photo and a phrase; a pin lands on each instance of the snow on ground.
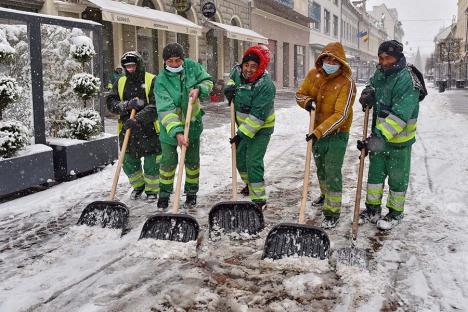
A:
(49, 264)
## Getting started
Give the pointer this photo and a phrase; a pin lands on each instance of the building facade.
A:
(287, 31)
(218, 43)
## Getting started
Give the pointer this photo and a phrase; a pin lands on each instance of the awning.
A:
(239, 33)
(123, 13)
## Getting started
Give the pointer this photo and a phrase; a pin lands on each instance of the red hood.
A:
(264, 55)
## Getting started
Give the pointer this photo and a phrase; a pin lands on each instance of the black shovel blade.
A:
(290, 239)
(351, 256)
(169, 226)
(107, 214)
(236, 217)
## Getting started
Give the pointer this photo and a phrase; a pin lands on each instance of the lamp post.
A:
(466, 48)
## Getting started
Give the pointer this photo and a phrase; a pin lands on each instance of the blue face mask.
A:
(330, 69)
(175, 69)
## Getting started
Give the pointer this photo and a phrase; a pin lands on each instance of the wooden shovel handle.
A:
(233, 153)
(121, 159)
(183, 151)
(357, 201)
(307, 169)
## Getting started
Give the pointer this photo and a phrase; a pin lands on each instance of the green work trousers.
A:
(329, 154)
(249, 156)
(394, 164)
(148, 178)
(169, 163)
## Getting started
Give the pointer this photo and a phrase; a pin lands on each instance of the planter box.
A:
(31, 167)
(72, 156)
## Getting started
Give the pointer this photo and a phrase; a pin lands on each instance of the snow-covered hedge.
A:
(81, 124)
(9, 91)
(7, 53)
(85, 85)
(82, 49)
(13, 136)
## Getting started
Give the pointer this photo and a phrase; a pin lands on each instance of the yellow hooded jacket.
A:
(333, 94)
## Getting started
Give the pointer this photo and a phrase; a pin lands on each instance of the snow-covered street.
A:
(49, 264)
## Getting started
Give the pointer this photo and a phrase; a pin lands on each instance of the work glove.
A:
(312, 137)
(362, 145)
(136, 104)
(235, 140)
(310, 106)
(123, 106)
(371, 144)
(367, 98)
(131, 124)
(230, 92)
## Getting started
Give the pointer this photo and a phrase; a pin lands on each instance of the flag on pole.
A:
(364, 35)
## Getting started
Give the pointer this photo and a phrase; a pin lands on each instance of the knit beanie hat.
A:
(173, 50)
(391, 47)
(251, 57)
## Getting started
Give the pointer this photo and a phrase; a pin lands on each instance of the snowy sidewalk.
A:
(48, 264)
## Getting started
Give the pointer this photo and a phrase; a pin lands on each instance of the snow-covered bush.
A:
(7, 53)
(9, 91)
(13, 136)
(82, 49)
(81, 124)
(85, 85)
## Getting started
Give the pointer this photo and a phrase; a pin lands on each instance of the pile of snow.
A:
(81, 124)
(163, 249)
(82, 48)
(13, 137)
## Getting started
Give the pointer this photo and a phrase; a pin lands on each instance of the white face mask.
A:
(175, 69)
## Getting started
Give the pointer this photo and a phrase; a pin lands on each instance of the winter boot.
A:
(163, 202)
(391, 219)
(150, 196)
(329, 222)
(370, 214)
(245, 191)
(136, 193)
(262, 205)
(319, 200)
(190, 200)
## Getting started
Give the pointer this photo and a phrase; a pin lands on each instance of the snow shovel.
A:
(174, 226)
(303, 240)
(354, 256)
(111, 214)
(235, 216)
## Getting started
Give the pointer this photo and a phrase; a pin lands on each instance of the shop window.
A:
(335, 26)
(272, 46)
(326, 19)
(315, 12)
(299, 64)
(285, 64)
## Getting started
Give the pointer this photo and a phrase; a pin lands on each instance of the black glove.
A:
(235, 140)
(310, 106)
(131, 124)
(123, 106)
(136, 104)
(311, 137)
(367, 98)
(362, 145)
(230, 92)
